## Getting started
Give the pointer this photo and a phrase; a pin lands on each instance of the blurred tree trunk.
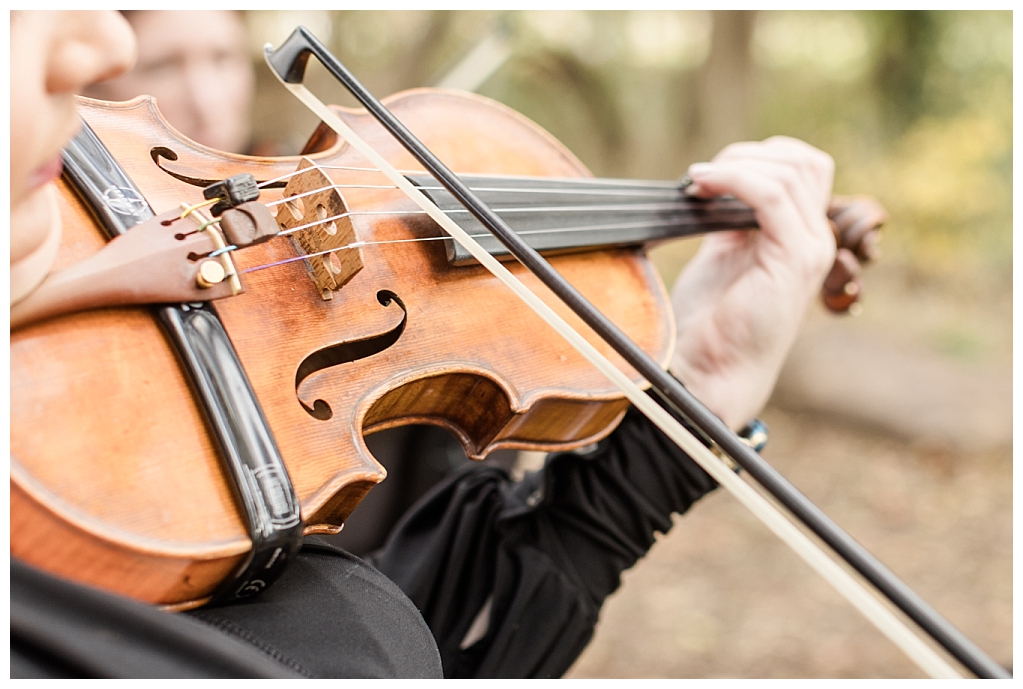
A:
(724, 95)
(907, 43)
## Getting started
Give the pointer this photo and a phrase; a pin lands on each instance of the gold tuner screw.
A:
(210, 273)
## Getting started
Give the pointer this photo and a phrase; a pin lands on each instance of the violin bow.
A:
(288, 63)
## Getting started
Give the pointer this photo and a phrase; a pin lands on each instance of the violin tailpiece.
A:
(153, 263)
(330, 270)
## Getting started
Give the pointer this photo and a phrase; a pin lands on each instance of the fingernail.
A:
(697, 169)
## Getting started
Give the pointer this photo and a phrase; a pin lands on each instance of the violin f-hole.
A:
(158, 153)
(345, 352)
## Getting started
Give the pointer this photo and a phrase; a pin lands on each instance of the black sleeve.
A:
(510, 576)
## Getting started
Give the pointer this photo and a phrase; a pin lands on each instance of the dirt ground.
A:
(720, 596)
(899, 457)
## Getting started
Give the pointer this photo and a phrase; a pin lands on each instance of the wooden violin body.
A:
(115, 480)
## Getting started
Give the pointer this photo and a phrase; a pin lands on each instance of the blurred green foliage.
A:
(915, 106)
(924, 123)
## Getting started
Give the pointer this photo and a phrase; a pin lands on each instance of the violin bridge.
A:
(330, 270)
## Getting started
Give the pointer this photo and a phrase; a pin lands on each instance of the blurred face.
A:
(195, 64)
(53, 56)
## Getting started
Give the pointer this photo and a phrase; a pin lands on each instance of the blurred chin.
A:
(31, 221)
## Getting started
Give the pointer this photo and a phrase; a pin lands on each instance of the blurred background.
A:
(897, 422)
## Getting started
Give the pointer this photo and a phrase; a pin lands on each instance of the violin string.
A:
(527, 209)
(668, 186)
(640, 188)
(635, 193)
(355, 245)
(674, 201)
(317, 166)
(647, 207)
(580, 181)
(647, 193)
(666, 190)
(295, 197)
(676, 205)
(679, 205)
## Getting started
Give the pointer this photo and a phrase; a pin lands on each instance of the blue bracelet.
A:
(754, 434)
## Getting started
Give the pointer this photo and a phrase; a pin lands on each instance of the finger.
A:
(777, 146)
(763, 179)
(845, 268)
(815, 172)
(814, 166)
(858, 219)
(792, 223)
(842, 288)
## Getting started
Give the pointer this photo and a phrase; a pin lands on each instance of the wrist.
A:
(734, 393)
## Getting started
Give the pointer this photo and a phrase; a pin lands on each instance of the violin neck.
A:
(570, 215)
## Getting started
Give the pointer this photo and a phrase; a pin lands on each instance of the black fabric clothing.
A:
(508, 576)
(417, 458)
(60, 629)
(332, 615)
(329, 615)
(545, 551)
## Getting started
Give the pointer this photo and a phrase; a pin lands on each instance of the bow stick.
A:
(289, 62)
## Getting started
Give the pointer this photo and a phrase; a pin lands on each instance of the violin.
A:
(360, 317)
(251, 389)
